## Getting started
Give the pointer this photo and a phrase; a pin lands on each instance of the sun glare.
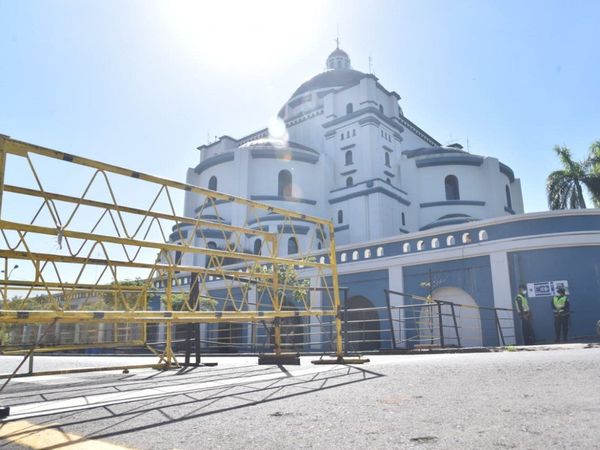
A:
(253, 34)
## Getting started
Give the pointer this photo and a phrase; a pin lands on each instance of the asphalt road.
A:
(542, 399)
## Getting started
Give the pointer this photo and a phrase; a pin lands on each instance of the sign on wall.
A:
(546, 288)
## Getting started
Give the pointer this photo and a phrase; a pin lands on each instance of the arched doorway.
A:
(363, 326)
(468, 320)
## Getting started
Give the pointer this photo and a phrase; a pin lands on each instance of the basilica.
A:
(411, 215)
(347, 152)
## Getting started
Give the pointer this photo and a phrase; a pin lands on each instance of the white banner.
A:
(546, 288)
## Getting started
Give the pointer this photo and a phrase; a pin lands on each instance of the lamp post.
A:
(7, 273)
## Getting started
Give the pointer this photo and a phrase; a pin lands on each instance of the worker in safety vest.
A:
(560, 307)
(524, 311)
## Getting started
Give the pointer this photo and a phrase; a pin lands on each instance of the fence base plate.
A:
(284, 359)
(342, 360)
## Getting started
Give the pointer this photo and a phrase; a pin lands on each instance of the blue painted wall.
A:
(371, 285)
(472, 275)
(580, 266)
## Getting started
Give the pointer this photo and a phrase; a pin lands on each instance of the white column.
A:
(502, 292)
(396, 283)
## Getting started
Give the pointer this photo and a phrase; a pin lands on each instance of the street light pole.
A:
(7, 273)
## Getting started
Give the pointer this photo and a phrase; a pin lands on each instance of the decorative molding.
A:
(389, 174)
(341, 228)
(361, 112)
(295, 155)
(274, 218)
(213, 234)
(386, 148)
(453, 203)
(211, 205)
(369, 183)
(418, 131)
(369, 121)
(346, 147)
(349, 172)
(214, 160)
(295, 229)
(279, 198)
(367, 192)
(507, 171)
(450, 160)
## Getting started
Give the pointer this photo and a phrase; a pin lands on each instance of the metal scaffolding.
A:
(102, 255)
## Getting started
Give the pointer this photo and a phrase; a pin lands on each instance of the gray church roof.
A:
(426, 151)
(330, 79)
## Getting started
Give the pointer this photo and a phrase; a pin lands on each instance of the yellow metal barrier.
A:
(99, 268)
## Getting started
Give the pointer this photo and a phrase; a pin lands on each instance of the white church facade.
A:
(348, 153)
(407, 210)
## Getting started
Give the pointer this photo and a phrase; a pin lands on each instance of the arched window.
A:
(212, 183)
(349, 182)
(508, 199)
(367, 253)
(403, 219)
(379, 251)
(343, 257)
(349, 108)
(483, 236)
(292, 246)
(322, 260)
(451, 183)
(353, 132)
(284, 188)
(340, 216)
(387, 159)
(342, 136)
(466, 238)
(354, 255)
(450, 241)
(257, 247)
(406, 247)
(420, 245)
(435, 243)
(349, 157)
(381, 109)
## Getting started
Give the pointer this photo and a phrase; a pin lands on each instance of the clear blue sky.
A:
(143, 83)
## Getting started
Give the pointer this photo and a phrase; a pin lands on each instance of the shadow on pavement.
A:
(138, 415)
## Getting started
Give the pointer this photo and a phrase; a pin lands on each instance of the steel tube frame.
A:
(326, 271)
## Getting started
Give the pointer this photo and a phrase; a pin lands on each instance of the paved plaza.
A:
(521, 399)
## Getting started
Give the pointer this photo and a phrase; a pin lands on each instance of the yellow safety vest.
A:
(559, 302)
(524, 303)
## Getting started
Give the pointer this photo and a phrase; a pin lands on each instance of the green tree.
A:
(565, 187)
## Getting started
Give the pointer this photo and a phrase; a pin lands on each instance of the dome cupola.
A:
(338, 59)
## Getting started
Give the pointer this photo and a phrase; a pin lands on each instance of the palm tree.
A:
(565, 187)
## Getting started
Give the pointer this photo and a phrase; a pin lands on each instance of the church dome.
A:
(330, 79)
(339, 73)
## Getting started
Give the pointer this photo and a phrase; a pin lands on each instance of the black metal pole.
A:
(439, 307)
(499, 327)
